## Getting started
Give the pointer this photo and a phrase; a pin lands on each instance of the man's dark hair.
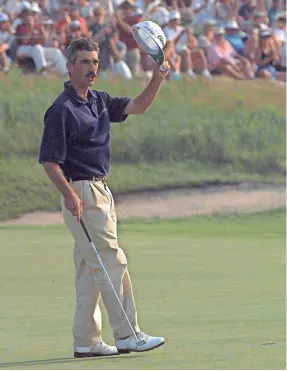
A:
(78, 45)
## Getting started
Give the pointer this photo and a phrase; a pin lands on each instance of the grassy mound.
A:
(223, 131)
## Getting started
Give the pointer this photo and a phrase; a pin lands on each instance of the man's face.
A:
(28, 17)
(74, 13)
(127, 9)
(84, 70)
(3, 26)
(99, 17)
(219, 38)
(259, 19)
(281, 23)
(174, 23)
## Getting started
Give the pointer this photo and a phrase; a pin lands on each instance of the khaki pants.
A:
(91, 283)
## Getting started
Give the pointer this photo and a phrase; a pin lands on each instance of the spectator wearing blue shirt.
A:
(246, 10)
(233, 36)
(273, 10)
(75, 153)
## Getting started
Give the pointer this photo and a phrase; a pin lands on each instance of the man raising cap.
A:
(75, 153)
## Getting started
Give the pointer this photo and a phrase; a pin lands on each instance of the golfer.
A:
(75, 153)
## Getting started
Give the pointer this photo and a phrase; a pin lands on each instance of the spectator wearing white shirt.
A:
(11, 8)
(198, 56)
(178, 34)
(226, 10)
(202, 10)
(156, 13)
(6, 37)
(279, 35)
(23, 8)
(173, 59)
(206, 38)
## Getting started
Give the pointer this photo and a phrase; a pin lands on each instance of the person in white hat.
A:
(206, 38)
(279, 29)
(173, 59)
(225, 10)
(251, 45)
(266, 56)
(157, 13)
(260, 18)
(279, 35)
(73, 32)
(6, 38)
(179, 35)
(233, 36)
(23, 8)
(223, 59)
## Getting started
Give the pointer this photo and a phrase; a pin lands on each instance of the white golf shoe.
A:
(96, 350)
(144, 343)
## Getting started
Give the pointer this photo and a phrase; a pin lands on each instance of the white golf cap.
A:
(75, 24)
(266, 33)
(25, 5)
(173, 15)
(48, 21)
(219, 30)
(35, 8)
(263, 27)
(260, 13)
(150, 38)
(122, 2)
(210, 22)
(4, 17)
(232, 25)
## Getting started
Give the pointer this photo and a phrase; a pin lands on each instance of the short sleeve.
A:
(56, 136)
(116, 107)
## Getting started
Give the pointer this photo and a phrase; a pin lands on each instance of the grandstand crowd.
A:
(243, 39)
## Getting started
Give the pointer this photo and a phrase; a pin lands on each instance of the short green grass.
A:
(213, 286)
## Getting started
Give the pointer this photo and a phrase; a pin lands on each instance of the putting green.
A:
(213, 287)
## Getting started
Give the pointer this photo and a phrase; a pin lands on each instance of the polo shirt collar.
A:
(70, 90)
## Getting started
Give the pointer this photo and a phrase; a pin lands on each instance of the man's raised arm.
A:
(142, 102)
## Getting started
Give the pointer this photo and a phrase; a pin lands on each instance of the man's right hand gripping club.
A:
(73, 202)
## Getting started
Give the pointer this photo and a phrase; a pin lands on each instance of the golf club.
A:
(87, 233)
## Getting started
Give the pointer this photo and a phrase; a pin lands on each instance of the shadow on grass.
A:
(60, 360)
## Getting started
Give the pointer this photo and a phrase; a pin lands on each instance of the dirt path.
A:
(244, 198)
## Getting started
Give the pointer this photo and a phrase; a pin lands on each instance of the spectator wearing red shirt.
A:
(125, 20)
(71, 13)
(74, 32)
(30, 38)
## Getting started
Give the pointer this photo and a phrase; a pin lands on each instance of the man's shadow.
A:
(62, 360)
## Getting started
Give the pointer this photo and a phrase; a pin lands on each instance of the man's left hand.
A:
(157, 70)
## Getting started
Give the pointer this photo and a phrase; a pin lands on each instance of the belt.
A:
(103, 179)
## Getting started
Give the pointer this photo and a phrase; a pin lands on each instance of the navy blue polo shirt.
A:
(77, 133)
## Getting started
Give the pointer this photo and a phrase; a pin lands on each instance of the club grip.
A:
(85, 229)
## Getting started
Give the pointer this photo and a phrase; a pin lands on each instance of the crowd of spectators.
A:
(242, 39)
